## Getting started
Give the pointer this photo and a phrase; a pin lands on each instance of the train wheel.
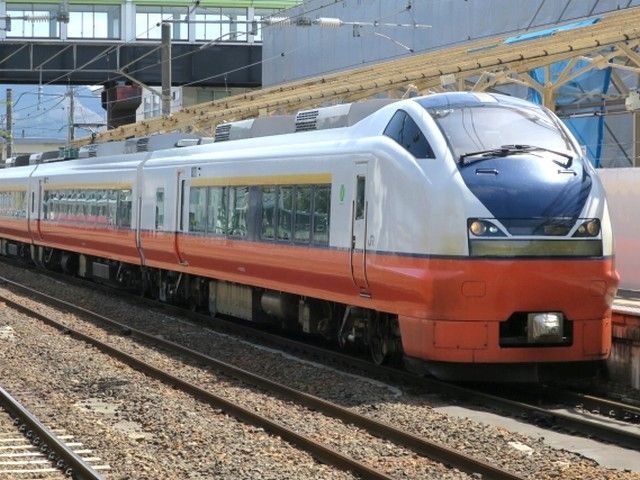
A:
(380, 341)
(379, 349)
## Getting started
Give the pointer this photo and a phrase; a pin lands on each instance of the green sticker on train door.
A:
(342, 191)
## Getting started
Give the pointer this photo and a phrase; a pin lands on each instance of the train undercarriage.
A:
(349, 327)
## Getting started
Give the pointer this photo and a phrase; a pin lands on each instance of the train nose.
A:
(527, 186)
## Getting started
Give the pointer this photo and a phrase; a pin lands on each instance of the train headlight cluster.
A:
(483, 228)
(588, 228)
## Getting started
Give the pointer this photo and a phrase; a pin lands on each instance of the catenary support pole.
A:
(166, 69)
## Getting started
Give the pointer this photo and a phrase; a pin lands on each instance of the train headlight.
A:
(483, 228)
(588, 228)
(477, 228)
(544, 327)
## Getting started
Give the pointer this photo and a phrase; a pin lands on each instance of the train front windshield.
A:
(483, 127)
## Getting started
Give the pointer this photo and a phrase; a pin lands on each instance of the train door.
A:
(182, 213)
(34, 209)
(358, 250)
(39, 214)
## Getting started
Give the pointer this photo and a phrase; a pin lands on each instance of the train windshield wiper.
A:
(505, 150)
(532, 148)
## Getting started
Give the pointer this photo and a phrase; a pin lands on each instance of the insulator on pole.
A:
(279, 21)
(328, 22)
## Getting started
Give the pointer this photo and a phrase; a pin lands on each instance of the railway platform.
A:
(624, 363)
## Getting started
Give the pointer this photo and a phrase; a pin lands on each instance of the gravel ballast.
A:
(141, 427)
(411, 412)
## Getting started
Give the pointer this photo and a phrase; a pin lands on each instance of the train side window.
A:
(159, 208)
(123, 215)
(321, 207)
(63, 202)
(217, 218)
(51, 204)
(269, 199)
(198, 209)
(80, 210)
(112, 205)
(45, 205)
(302, 224)
(360, 196)
(91, 207)
(55, 204)
(285, 212)
(101, 207)
(404, 130)
(414, 140)
(71, 206)
(394, 128)
(238, 204)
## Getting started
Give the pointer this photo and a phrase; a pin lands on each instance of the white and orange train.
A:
(466, 232)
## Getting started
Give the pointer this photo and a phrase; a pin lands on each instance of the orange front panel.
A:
(596, 337)
(478, 342)
(464, 335)
(471, 289)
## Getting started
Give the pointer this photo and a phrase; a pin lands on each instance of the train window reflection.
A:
(123, 216)
(198, 209)
(303, 214)
(217, 218)
(238, 203)
(360, 195)
(159, 208)
(486, 127)
(404, 130)
(321, 203)
(269, 196)
(13, 204)
(285, 210)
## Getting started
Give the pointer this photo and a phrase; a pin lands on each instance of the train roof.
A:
(462, 99)
(320, 131)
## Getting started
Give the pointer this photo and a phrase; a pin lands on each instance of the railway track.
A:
(525, 406)
(421, 446)
(595, 404)
(28, 449)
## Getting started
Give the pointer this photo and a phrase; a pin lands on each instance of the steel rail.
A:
(544, 417)
(73, 466)
(432, 450)
(605, 406)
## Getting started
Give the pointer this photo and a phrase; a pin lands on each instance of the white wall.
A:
(623, 194)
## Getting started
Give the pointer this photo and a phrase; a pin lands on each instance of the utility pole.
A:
(9, 137)
(166, 69)
(70, 129)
